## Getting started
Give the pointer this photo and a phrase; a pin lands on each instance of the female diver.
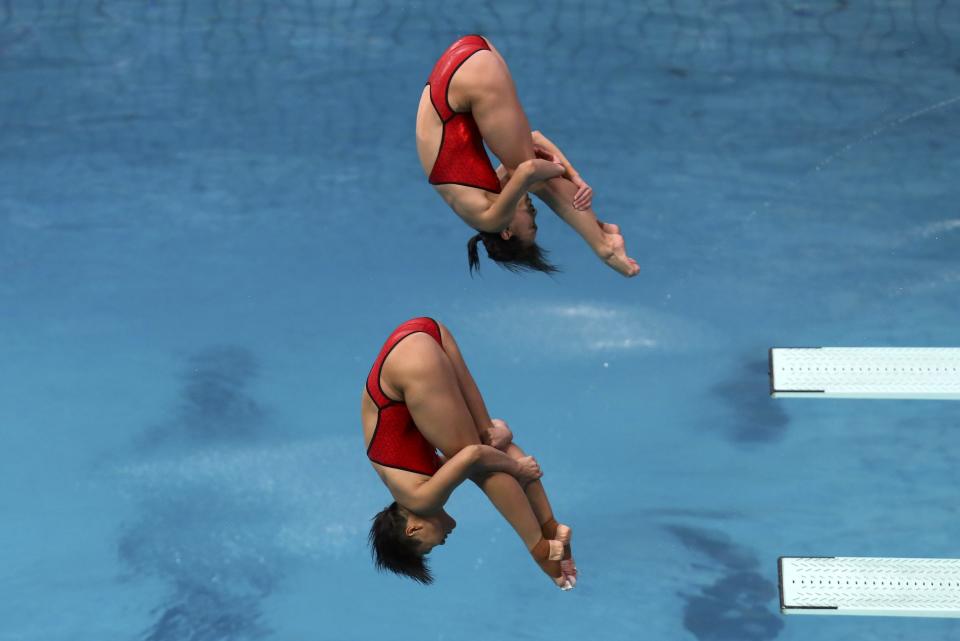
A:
(469, 100)
(420, 397)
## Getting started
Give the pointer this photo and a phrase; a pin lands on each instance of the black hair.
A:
(392, 549)
(512, 254)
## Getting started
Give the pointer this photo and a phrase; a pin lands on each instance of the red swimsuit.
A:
(396, 440)
(461, 160)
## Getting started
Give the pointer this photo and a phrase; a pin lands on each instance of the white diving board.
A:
(865, 372)
(870, 586)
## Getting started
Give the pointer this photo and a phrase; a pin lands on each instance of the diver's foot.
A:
(560, 532)
(549, 554)
(614, 251)
(569, 569)
(623, 265)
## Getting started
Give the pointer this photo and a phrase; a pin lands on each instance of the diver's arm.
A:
(473, 460)
(549, 145)
(583, 197)
(430, 496)
(498, 216)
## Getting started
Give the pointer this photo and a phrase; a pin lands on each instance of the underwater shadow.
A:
(756, 417)
(214, 404)
(215, 566)
(212, 547)
(735, 606)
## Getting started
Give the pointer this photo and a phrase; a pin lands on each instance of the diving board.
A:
(865, 372)
(870, 586)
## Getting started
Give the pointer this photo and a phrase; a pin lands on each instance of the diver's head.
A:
(515, 247)
(524, 223)
(399, 540)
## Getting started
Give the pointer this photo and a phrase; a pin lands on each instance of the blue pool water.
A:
(212, 214)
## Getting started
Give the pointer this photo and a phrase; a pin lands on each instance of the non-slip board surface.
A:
(865, 372)
(870, 586)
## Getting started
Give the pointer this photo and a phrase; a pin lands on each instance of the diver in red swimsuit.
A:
(469, 100)
(420, 397)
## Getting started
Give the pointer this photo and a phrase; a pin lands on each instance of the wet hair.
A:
(392, 549)
(512, 254)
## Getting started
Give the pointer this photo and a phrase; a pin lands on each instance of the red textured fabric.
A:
(462, 159)
(396, 440)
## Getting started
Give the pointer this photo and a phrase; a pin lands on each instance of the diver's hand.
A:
(613, 251)
(538, 169)
(539, 151)
(528, 470)
(584, 196)
(498, 435)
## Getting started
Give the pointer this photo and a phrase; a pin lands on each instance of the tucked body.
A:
(419, 398)
(470, 100)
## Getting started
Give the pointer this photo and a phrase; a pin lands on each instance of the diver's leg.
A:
(603, 238)
(548, 553)
(483, 85)
(468, 386)
(536, 495)
(421, 371)
(510, 500)
(549, 527)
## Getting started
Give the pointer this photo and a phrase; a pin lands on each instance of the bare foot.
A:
(548, 554)
(563, 534)
(614, 251)
(567, 565)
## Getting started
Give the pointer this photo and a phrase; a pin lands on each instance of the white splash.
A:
(560, 329)
(312, 491)
(938, 227)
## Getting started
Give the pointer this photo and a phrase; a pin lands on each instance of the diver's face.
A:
(430, 531)
(524, 223)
